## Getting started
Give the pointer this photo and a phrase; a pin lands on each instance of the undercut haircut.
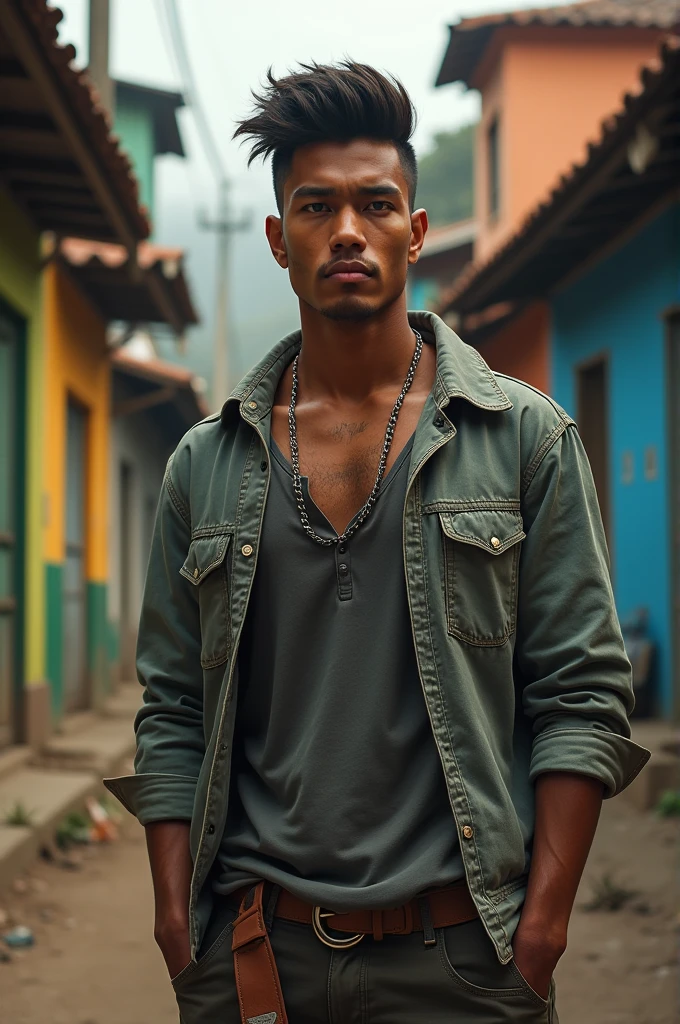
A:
(329, 103)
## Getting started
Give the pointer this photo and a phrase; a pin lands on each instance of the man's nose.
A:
(347, 231)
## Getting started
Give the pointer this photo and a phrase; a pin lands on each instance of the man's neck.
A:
(353, 359)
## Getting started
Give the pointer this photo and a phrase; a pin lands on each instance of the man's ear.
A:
(273, 227)
(419, 227)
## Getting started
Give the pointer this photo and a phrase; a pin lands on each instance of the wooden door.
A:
(10, 555)
(76, 695)
(593, 425)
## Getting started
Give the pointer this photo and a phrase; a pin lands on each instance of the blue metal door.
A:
(76, 694)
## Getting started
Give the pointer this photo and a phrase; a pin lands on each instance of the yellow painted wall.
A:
(20, 289)
(77, 365)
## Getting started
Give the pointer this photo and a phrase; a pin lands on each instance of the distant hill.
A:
(445, 177)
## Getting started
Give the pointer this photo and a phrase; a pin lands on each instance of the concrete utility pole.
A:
(98, 60)
(222, 370)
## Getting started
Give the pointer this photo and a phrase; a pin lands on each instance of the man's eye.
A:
(380, 205)
(316, 207)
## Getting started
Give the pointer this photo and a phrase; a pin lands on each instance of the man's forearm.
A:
(171, 868)
(567, 811)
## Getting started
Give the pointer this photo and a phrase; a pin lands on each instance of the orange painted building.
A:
(521, 347)
(545, 92)
(547, 78)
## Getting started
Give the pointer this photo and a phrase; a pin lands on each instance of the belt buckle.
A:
(329, 940)
(407, 914)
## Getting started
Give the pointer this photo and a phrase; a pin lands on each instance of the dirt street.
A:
(94, 961)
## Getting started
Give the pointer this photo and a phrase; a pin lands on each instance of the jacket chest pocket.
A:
(206, 567)
(481, 557)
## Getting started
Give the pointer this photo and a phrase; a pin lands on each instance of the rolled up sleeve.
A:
(169, 725)
(575, 675)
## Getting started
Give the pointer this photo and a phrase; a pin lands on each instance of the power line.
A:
(191, 92)
(222, 225)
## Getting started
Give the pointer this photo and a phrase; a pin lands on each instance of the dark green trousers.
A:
(395, 981)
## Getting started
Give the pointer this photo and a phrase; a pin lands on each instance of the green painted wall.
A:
(54, 590)
(102, 640)
(135, 127)
(97, 643)
(113, 650)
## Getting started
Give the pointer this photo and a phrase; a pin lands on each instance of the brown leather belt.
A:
(257, 979)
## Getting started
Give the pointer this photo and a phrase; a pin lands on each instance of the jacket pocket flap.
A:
(205, 555)
(494, 530)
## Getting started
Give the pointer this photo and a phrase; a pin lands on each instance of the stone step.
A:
(96, 749)
(662, 771)
(48, 796)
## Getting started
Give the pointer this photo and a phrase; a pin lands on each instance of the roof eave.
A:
(126, 219)
(492, 282)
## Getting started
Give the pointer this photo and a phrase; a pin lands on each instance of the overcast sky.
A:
(231, 43)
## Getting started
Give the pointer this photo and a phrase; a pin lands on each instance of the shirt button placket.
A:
(343, 569)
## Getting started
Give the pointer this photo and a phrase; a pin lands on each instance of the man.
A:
(385, 687)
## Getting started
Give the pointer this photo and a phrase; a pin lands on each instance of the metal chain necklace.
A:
(366, 508)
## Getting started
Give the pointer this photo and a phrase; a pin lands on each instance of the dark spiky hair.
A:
(329, 103)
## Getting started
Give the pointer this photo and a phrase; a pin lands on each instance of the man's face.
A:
(346, 234)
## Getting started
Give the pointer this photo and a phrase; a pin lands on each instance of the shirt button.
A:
(439, 421)
(252, 405)
(341, 549)
(342, 569)
(247, 550)
(495, 543)
(195, 574)
(468, 831)
(263, 466)
(210, 830)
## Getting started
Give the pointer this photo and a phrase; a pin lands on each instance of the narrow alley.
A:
(95, 962)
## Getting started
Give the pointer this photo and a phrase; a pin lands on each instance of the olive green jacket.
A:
(519, 650)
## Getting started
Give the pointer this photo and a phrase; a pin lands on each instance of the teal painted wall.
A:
(135, 127)
(617, 308)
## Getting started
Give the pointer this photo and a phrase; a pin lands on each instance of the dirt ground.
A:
(94, 961)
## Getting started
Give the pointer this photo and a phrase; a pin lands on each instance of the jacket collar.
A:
(461, 373)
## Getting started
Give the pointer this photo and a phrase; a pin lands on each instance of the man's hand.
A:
(536, 957)
(173, 942)
(171, 869)
(567, 811)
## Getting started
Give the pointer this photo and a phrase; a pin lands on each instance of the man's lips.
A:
(350, 271)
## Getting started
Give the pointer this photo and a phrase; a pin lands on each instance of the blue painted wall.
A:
(616, 307)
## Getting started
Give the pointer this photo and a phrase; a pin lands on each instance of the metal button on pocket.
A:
(195, 574)
(468, 831)
(247, 550)
(252, 405)
(495, 543)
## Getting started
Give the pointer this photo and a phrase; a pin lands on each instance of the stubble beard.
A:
(353, 309)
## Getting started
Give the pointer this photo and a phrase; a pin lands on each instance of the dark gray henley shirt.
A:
(337, 789)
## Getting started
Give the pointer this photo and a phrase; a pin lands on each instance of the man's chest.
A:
(340, 455)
